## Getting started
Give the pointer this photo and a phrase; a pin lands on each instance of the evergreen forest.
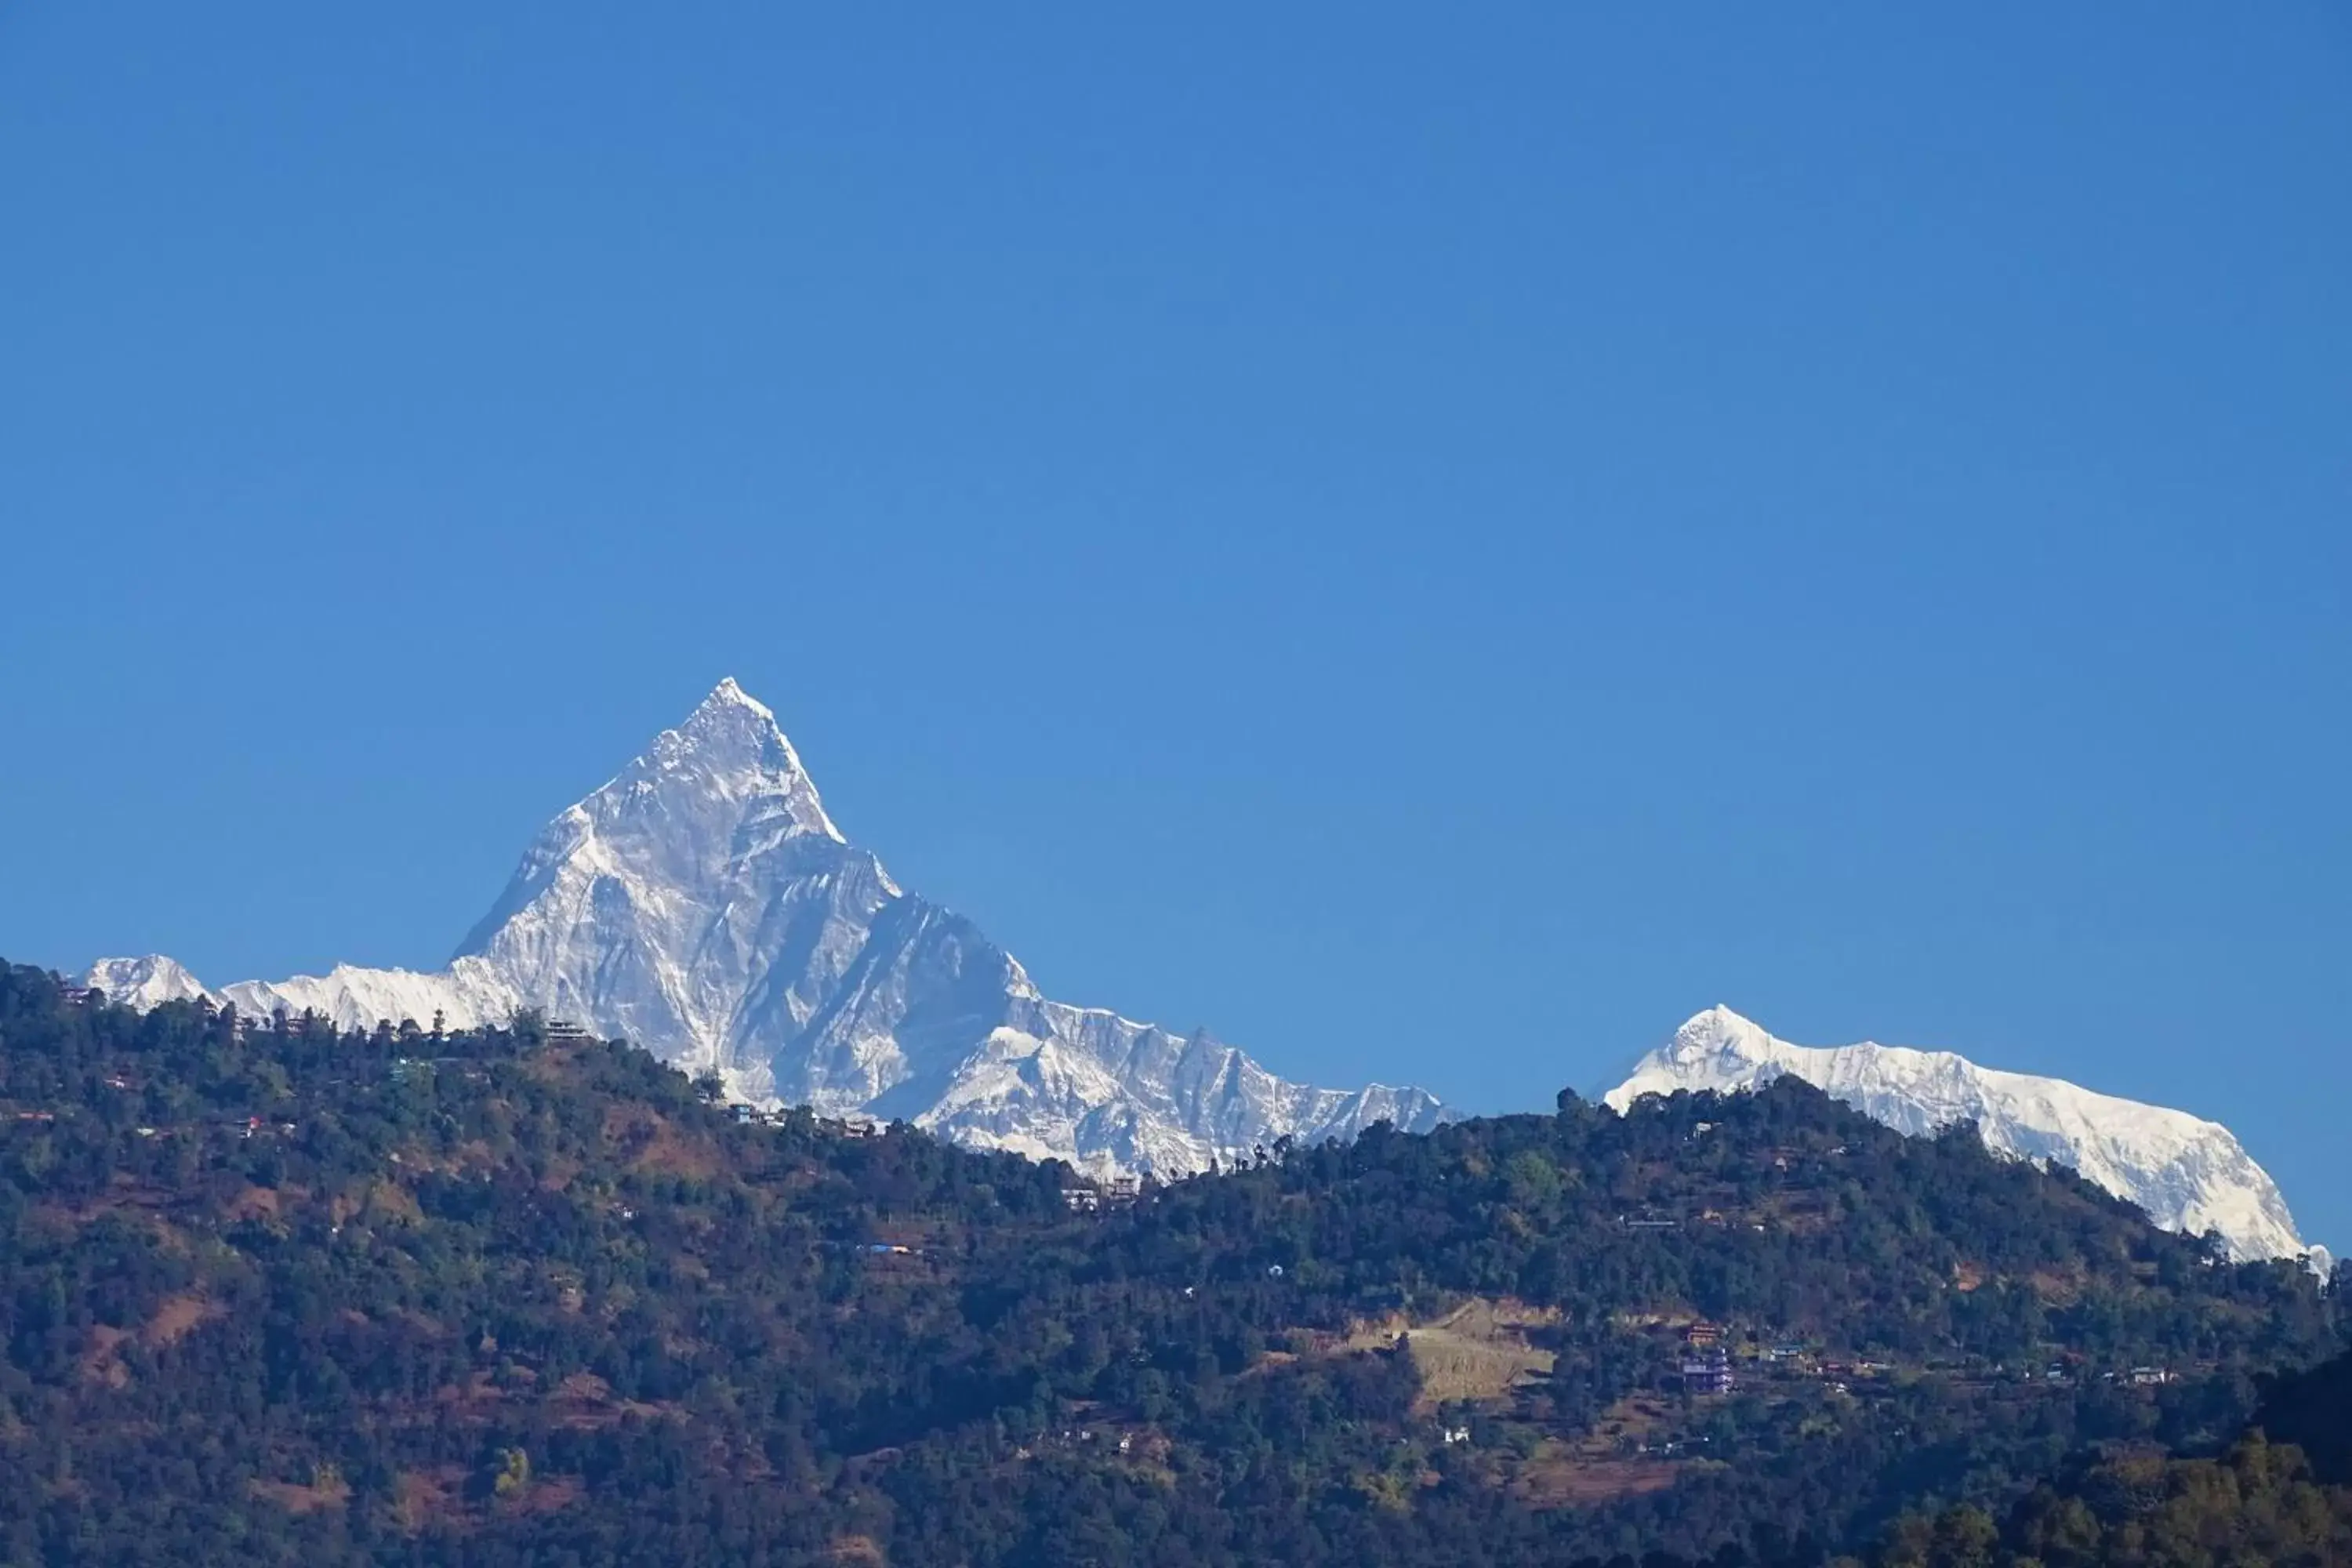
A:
(276, 1293)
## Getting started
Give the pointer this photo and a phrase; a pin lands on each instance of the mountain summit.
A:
(2187, 1173)
(704, 905)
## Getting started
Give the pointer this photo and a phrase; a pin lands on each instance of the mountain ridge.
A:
(2187, 1172)
(703, 903)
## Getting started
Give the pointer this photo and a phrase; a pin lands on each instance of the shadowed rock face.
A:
(704, 905)
(2187, 1173)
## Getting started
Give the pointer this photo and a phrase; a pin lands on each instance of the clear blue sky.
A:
(1434, 546)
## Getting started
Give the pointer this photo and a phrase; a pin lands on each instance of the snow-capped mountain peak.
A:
(2188, 1173)
(703, 903)
(144, 983)
(730, 747)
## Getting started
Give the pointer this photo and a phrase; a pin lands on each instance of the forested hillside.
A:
(273, 1293)
(2281, 1497)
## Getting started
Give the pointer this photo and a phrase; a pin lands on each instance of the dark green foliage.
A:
(2261, 1502)
(287, 1295)
(2313, 1411)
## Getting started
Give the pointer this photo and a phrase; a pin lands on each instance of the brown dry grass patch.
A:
(583, 1402)
(178, 1317)
(1635, 1416)
(330, 1493)
(653, 1143)
(423, 1497)
(389, 1200)
(2056, 1290)
(103, 1361)
(1556, 1475)
(546, 1494)
(1478, 1353)
(1268, 1361)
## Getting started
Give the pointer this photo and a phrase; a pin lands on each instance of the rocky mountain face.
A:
(703, 905)
(2187, 1173)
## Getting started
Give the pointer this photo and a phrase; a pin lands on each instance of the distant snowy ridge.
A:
(2187, 1173)
(704, 905)
(144, 983)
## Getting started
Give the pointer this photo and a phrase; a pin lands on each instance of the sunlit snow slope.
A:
(2188, 1174)
(704, 905)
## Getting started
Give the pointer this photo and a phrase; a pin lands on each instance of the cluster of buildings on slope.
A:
(1117, 1193)
(1706, 1364)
